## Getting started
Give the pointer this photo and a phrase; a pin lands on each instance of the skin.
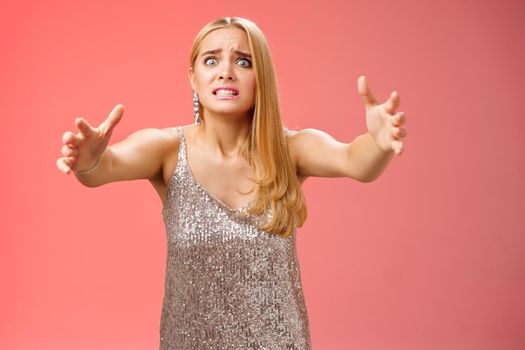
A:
(213, 147)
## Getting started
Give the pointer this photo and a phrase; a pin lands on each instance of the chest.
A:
(228, 180)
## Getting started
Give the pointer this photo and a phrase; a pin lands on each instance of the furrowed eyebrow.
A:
(216, 51)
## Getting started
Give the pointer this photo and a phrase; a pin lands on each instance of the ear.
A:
(191, 77)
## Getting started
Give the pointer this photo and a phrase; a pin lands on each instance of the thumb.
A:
(113, 119)
(365, 92)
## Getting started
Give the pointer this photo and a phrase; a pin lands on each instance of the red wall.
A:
(430, 256)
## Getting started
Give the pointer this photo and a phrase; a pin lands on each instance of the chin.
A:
(232, 111)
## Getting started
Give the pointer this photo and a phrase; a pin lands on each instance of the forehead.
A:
(225, 39)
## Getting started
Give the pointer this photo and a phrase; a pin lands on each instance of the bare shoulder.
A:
(163, 145)
(155, 136)
(305, 133)
(299, 139)
(172, 140)
(317, 153)
(298, 142)
(150, 142)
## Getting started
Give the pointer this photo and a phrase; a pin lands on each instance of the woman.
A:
(231, 188)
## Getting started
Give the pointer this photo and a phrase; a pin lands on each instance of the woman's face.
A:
(223, 75)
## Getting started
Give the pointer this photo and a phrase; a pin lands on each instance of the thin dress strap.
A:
(182, 147)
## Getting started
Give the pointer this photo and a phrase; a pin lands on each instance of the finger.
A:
(399, 119)
(83, 127)
(365, 92)
(63, 166)
(67, 151)
(392, 104)
(70, 139)
(398, 147)
(399, 133)
(113, 119)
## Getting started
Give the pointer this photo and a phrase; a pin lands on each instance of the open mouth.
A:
(225, 93)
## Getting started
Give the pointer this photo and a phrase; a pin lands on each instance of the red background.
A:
(430, 256)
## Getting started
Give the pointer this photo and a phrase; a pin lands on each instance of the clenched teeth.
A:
(225, 93)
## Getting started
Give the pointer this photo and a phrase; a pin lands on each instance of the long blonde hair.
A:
(278, 187)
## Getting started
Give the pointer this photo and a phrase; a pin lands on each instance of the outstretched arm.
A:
(139, 156)
(366, 157)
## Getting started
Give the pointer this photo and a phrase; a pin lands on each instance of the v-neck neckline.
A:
(202, 187)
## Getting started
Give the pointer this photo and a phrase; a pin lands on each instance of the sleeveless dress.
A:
(229, 285)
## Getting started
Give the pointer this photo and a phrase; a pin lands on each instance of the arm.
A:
(139, 156)
(318, 154)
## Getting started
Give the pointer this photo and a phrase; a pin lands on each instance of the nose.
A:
(226, 72)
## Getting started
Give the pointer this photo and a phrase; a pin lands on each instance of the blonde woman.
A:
(231, 188)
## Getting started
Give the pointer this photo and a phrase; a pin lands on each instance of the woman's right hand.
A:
(83, 150)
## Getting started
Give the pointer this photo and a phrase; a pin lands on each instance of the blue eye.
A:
(210, 61)
(244, 62)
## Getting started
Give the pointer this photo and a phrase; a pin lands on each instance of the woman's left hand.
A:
(383, 121)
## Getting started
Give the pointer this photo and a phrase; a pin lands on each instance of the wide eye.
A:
(244, 62)
(210, 61)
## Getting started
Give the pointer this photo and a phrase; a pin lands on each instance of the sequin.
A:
(229, 284)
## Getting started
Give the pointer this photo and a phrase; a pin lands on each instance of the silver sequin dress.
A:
(229, 285)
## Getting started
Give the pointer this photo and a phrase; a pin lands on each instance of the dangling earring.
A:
(196, 108)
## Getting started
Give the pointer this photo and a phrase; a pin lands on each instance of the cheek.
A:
(252, 86)
(201, 79)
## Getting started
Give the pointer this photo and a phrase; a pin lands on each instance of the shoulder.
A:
(298, 142)
(298, 139)
(154, 134)
(163, 144)
(155, 138)
(303, 133)
(316, 153)
(151, 145)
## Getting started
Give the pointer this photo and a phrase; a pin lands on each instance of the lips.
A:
(225, 91)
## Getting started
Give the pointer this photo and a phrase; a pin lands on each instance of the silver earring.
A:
(196, 108)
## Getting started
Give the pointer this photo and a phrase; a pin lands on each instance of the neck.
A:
(223, 134)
